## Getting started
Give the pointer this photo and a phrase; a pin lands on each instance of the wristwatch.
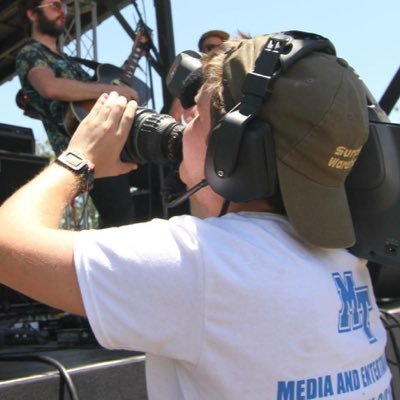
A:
(80, 166)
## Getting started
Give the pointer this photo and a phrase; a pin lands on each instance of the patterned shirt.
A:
(51, 112)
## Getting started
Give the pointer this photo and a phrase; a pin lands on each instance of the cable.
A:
(64, 375)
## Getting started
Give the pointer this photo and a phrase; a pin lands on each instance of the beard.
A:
(48, 27)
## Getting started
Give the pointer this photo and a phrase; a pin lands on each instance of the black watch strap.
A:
(79, 165)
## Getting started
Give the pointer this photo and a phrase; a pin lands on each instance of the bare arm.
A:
(51, 87)
(36, 256)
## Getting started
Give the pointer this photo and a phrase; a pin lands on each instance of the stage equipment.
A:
(16, 139)
(16, 169)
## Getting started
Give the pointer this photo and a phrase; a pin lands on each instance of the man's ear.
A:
(31, 14)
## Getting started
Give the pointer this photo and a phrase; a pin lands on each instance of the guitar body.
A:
(105, 73)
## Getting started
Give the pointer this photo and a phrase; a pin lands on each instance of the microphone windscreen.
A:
(190, 87)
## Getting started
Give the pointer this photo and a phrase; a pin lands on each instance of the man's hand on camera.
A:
(101, 136)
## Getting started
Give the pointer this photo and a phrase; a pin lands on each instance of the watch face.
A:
(80, 166)
(74, 160)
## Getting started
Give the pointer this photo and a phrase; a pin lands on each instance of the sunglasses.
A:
(55, 5)
(208, 47)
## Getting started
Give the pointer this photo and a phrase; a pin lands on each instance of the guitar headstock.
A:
(143, 38)
(140, 48)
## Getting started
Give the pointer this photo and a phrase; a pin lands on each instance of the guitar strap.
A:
(88, 63)
(91, 63)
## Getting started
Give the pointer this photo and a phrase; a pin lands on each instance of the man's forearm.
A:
(73, 90)
(31, 244)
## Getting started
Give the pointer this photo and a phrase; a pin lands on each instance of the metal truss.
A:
(76, 41)
(81, 43)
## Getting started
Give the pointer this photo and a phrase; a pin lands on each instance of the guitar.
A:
(76, 111)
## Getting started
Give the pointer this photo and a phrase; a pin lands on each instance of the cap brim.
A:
(320, 215)
(222, 34)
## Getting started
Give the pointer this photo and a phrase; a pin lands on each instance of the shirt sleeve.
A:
(143, 287)
(27, 59)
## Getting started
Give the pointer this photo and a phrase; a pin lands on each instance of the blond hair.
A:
(213, 76)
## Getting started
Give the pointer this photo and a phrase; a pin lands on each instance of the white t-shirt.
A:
(236, 307)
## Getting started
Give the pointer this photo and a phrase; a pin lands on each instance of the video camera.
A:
(157, 138)
(373, 186)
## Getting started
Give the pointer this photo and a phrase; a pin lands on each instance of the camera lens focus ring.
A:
(152, 144)
(154, 138)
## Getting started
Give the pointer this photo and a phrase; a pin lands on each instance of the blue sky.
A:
(364, 32)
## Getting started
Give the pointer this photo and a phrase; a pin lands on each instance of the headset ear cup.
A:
(254, 176)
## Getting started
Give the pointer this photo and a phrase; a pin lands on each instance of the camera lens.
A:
(154, 138)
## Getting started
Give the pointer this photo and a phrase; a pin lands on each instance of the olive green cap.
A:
(319, 119)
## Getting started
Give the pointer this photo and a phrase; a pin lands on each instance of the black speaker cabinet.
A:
(16, 139)
(16, 169)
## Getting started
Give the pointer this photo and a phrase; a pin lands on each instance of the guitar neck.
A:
(132, 63)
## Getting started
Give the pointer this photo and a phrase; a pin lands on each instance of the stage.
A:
(100, 374)
(96, 373)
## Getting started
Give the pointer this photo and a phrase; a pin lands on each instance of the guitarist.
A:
(51, 80)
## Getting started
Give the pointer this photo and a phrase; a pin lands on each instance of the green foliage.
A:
(43, 149)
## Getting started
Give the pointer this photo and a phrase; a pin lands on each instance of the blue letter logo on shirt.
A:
(356, 305)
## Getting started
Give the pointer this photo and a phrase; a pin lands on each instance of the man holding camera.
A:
(255, 299)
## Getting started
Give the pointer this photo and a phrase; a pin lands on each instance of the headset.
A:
(240, 161)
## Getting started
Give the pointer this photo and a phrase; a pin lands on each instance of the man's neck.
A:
(47, 40)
